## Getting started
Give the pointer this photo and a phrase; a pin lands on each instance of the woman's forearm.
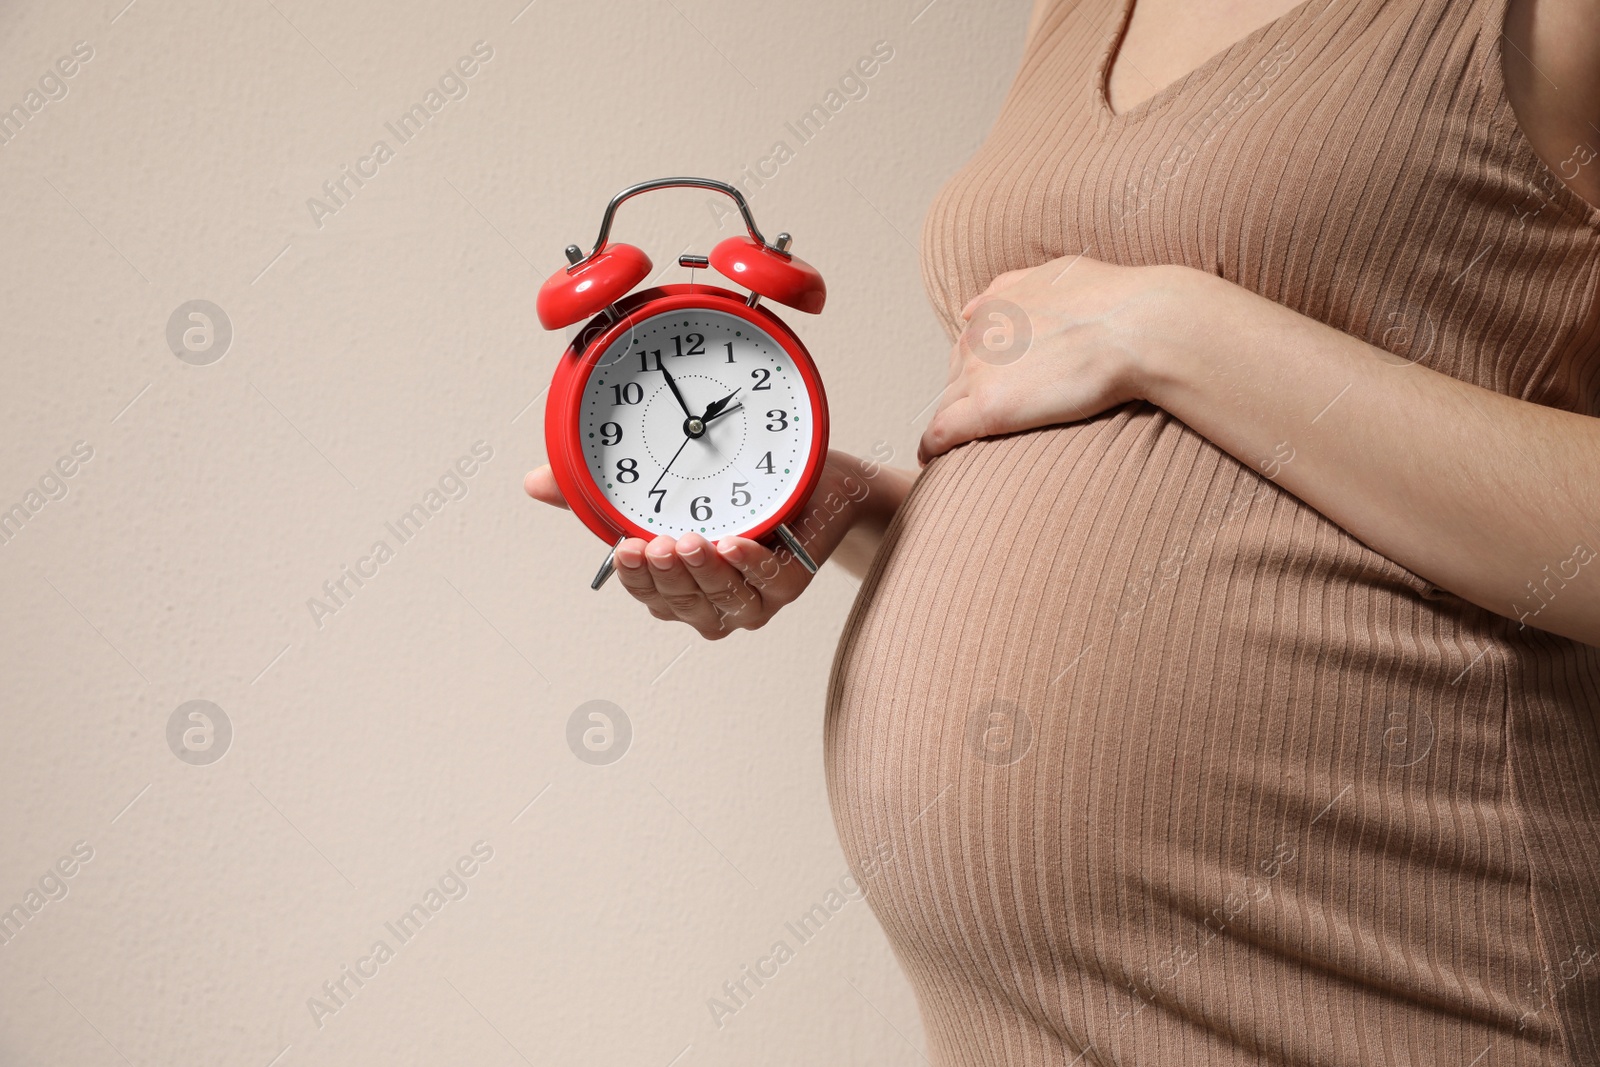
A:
(875, 493)
(1494, 499)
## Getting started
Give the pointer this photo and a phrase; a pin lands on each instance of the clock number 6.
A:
(700, 508)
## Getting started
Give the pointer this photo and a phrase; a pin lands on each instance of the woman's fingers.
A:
(956, 414)
(1001, 282)
(956, 385)
(777, 581)
(677, 588)
(734, 584)
(636, 577)
(956, 424)
(541, 485)
(735, 602)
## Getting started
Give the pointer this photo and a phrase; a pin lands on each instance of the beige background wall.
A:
(368, 355)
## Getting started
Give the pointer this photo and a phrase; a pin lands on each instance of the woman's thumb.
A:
(541, 485)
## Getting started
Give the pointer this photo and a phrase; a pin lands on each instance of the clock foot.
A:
(608, 566)
(792, 543)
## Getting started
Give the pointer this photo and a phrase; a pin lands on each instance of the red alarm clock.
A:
(685, 407)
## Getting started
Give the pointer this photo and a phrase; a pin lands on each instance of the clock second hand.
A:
(687, 439)
(670, 462)
(713, 411)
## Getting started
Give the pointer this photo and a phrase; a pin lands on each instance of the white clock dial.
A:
(640, 446)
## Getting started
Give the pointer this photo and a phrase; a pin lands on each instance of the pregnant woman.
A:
(1225, 688)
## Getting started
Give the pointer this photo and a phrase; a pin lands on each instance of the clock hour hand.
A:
(721, 413)
(674, 387)
(716, 406)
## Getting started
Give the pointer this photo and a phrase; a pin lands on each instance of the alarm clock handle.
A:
(609, 567)
(668, 183)
(792, 543)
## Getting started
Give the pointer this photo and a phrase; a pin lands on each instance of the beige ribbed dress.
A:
(1141, 760)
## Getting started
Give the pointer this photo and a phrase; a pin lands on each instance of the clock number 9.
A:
(700, 508)
(780, 419)
(610, 433)
(627, 470)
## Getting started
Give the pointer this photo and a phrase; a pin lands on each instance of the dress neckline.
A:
(1163, 95)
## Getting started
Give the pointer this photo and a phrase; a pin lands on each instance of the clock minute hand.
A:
(674, 387)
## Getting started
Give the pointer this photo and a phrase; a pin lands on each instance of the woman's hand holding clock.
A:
(737, 583)
(616, 414)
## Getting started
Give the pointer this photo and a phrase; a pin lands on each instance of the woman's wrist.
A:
(1174, 331)
(867, 494)
(886, 489)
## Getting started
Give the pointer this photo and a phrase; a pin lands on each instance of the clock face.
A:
(718, 455)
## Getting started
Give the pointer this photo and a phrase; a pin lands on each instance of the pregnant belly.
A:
(1101, 722)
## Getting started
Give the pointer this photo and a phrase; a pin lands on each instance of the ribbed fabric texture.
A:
(1142, 761)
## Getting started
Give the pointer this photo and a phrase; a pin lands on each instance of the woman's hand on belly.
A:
(1487, 496)
(738, 584)
(1058, 343)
